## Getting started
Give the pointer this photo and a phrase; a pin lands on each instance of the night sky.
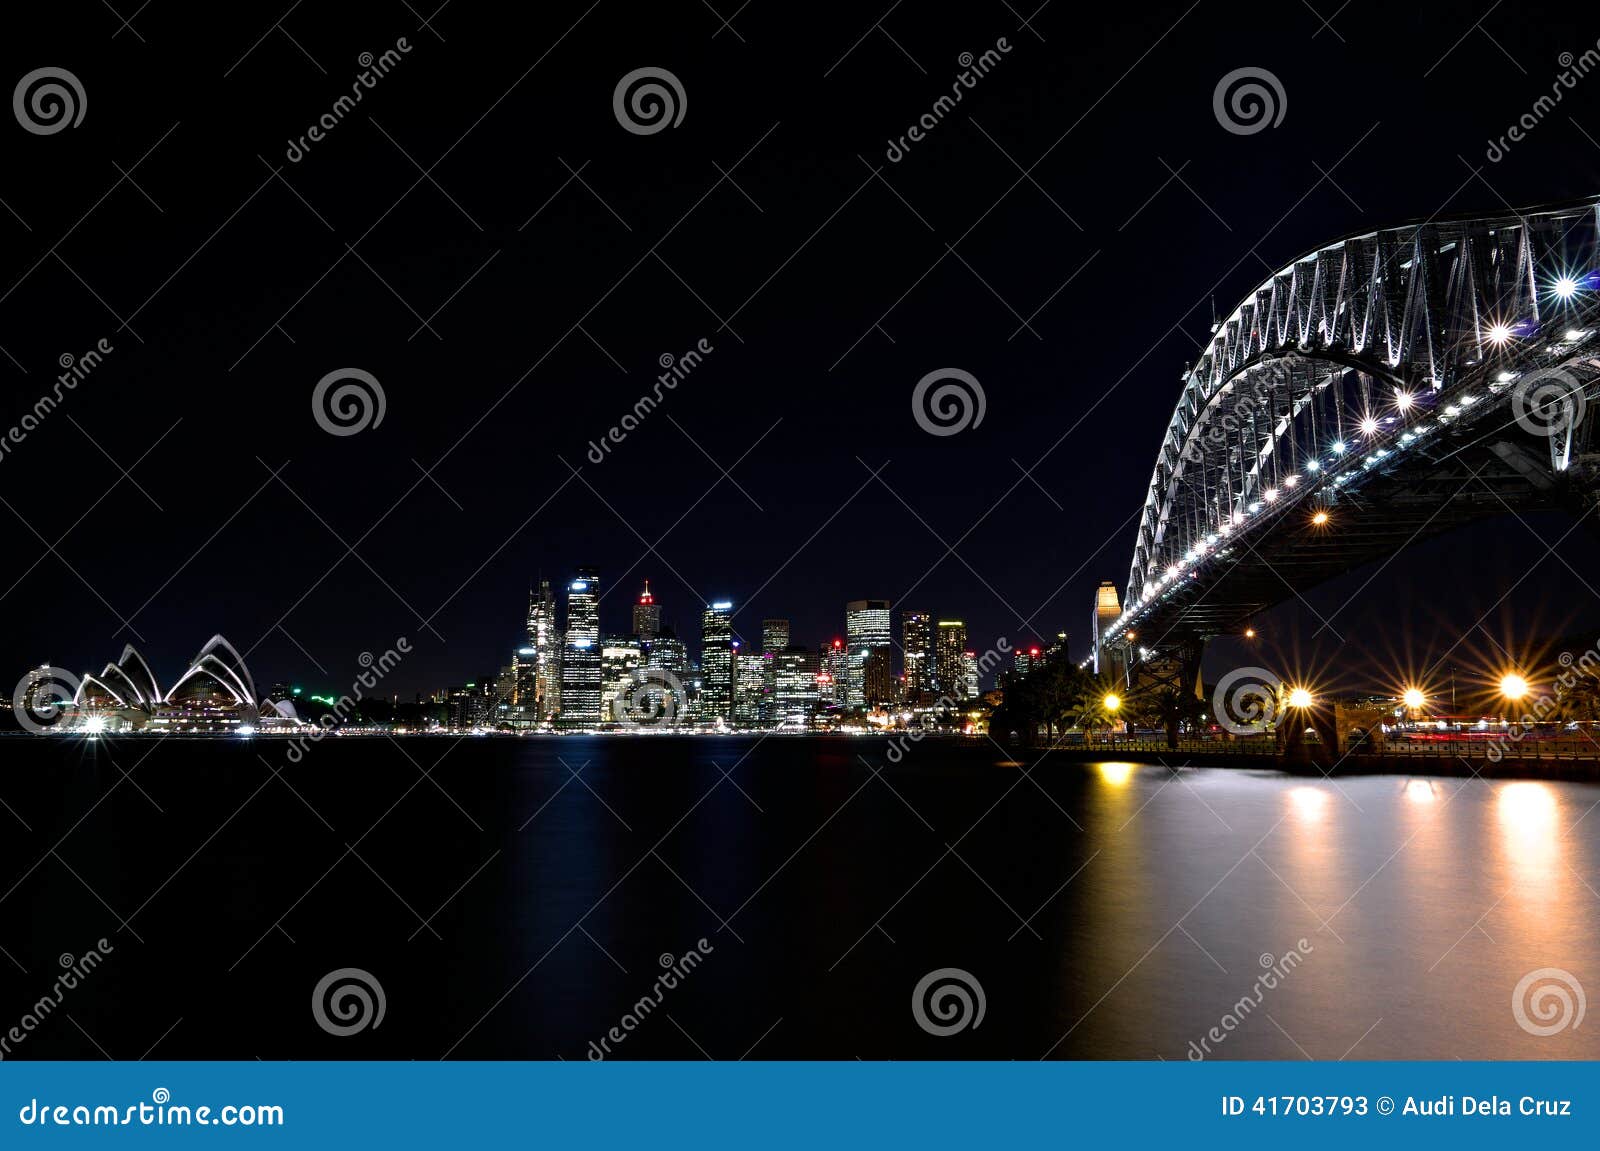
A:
(514, 302)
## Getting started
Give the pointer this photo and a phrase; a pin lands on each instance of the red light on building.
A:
(646, 597)
(1033, 651)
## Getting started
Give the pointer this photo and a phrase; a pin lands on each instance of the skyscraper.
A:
(952, 642)
(580, 653)
(916, 637)
(752, 682)
(971, 680)
(868, 637)
(797, 682)
(544, 652)
(646, 616)
(619, 661)
(774, 635)
(716, 663)
(834, 674)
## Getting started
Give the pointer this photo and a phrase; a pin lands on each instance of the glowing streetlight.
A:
(1320, 518)
(1499, 334)
(1112, 701)
(1513, 687)
(1249, 633)
(1300, 698)
(1414, 699)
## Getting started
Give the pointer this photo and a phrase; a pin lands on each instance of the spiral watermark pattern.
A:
(347, 1001)
(1249, 100)
(1548, 403)
(161, 1095)
(47, 100)
(654, 699)
(358, 403)
(1553, 997)
(647, 100)
(947, 1001)
(958, 403)
(1246, 700)
(42, 696)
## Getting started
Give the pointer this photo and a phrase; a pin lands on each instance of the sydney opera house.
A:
(216, 695)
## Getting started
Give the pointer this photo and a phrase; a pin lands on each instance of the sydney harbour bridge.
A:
(1382, 389)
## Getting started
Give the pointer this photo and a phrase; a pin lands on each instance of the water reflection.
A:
(1528, 814)
(1421, 791)
(1116, 774)
(1308, 803)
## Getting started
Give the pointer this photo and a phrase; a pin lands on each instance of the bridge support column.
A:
(1166, 682)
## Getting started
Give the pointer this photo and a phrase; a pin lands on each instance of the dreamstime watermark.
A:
(655, 699)
(674, 968)
(358, 403)
(677, 368)
(947, 1001)
(42, 697)
(1573, 69)
(374, 68)
(1553, 997)
(974, 68)
(159, 1112)
(74, 967)
(374, 670)
(1249, 100)
(75, 370)
(47, 100)
(1246, 700)
(347, 1001)
(1274, 970)
(1548, 403)
(956, 404)
(647, 100)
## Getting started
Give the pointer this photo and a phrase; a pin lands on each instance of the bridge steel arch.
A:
(1377, 372)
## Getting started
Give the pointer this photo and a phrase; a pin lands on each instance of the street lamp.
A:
(1112, 702)
(1300, 698)
(1513, 686)
(1320, 518)
(1414, 699)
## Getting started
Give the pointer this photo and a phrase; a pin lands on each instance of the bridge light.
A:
(1313, 466)
(1290, 480)
(1369, 426)
(1499, 334)
(1566, 287)
(1338, 447)
(1320, 518)
(1271, 494)
(1404, 400)
(1506, 377)
(1299, 697)
(1575, 335)
(1414, 699)
(1249, 633)
(1513, 686)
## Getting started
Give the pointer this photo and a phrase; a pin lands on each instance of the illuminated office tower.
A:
(544, 651)
(580, 653)
(752, 680)
(1025, 659)
(716, 664)
(646, 616)
(868, 638)
(619, 660)
(948, 669)
(797, 687)
(666, 652)
(774, 635)
(971, 685)
(916, 638)
(833, 675)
